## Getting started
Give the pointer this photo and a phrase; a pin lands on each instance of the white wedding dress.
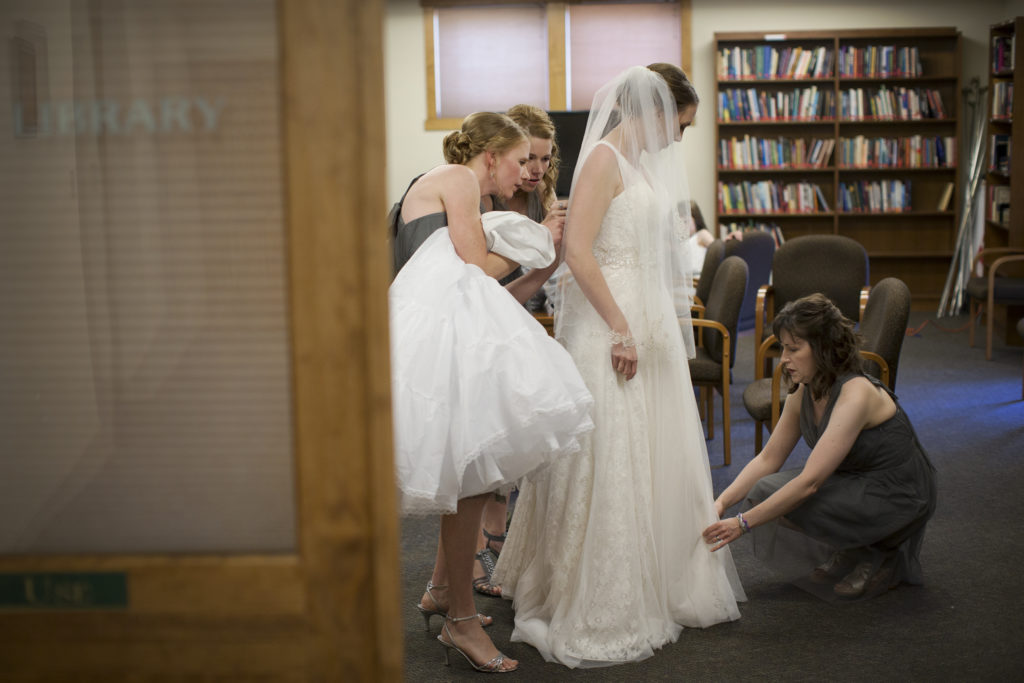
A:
(604, 559)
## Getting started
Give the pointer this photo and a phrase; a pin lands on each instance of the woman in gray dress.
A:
(858, 507)
(535, 198)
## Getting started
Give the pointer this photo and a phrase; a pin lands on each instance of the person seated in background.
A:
(858, 507)
(701, 237)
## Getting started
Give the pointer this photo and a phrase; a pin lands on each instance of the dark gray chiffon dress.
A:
(874, 506)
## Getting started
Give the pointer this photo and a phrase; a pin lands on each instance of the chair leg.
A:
(726, 427)
(988, 332)
(973, 321)
(757, 436)
(1022, 386)
(709, 410)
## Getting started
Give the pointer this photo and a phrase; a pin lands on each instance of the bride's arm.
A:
(598, 183)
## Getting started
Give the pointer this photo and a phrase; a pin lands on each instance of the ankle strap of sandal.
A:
(494, 537)
(471, 616)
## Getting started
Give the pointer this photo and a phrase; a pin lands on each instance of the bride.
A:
(604, 559)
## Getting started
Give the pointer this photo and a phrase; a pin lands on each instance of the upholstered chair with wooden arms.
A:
(711, 368)
(757, 249)
(994, 286)
(833, 265)
(1020, 331)
(882, 329)
(712, 259)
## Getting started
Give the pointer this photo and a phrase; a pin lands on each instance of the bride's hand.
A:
(624, 358)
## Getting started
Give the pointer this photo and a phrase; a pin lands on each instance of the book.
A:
(947, 194)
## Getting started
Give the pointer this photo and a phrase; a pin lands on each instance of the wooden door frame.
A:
(329, 612)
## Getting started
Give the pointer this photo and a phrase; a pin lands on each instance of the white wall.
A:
(412, 150)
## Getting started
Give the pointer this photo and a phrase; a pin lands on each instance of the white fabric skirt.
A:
(481, 395)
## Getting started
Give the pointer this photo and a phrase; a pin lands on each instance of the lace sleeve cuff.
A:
(624, 339)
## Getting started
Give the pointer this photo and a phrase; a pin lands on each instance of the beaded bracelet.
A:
(624, 339)
(744, 527)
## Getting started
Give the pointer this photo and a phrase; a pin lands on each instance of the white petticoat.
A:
(481, 395)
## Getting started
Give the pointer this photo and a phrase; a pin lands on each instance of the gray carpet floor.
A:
(965, 622)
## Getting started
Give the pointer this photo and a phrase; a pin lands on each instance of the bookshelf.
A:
(849, 132)
(1004, 157)
(1004, 162)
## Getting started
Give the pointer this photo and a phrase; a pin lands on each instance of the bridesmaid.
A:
(482, 396)
(860, 503)
(535, 198)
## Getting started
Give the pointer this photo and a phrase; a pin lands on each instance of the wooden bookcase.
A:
(912, 240)
(1004, 162)
(1005, 123)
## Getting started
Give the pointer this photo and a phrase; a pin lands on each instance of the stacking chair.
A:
(712, 259)
(711, 368)
(1020, 331)
(883, 329)
(993, 287)
(833, 265)
(757, 248)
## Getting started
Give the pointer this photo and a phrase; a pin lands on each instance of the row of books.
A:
(1002, 100)
(999, 204)
(767, 196)
(879, 61)
(752, 152)
(773, 229)
(765, 61)
(999, 146)
(1002, 54)
(876, 196)
(915, 151)
(798, 104)
(891, 104)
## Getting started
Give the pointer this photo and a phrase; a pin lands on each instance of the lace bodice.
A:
(618, 243)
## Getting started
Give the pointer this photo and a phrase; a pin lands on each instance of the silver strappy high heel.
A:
(427, 612)
(491, 667)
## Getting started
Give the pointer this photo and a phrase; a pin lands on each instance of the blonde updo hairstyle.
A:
(483, 131)
(538, 124)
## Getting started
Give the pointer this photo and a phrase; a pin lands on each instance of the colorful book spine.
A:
(915, 151)
(770, 197)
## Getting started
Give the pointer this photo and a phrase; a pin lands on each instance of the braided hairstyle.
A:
(834, 342)
(536, 122)
(483, 131)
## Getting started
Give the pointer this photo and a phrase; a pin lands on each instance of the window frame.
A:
(555, 13)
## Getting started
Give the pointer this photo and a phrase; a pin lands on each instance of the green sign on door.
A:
(64, 590)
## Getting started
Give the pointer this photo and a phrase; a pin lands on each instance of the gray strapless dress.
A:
(874, 506)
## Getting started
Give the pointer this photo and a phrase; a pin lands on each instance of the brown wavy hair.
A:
(834, 342)
(482, 131)
(536, 122)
